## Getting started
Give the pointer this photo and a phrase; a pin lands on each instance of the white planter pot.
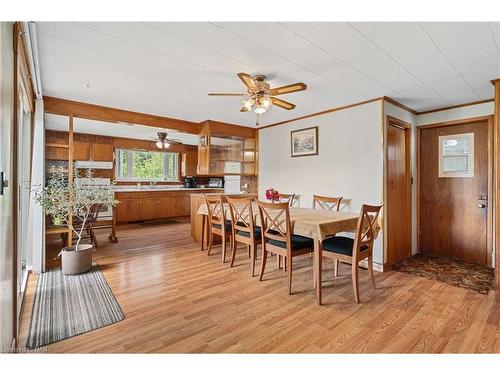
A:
(74, 262)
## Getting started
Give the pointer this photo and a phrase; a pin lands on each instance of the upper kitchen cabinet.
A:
(102, 152)
(226, 149)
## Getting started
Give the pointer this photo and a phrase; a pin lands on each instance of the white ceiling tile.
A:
(163, 68)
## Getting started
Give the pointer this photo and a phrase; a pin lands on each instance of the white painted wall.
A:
(349, 164)
(404, 115)
(6, 200)
(478, 110)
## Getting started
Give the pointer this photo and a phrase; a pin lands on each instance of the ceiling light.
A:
(266, 102)
(248, 103)
(259, 109)
(159, 144)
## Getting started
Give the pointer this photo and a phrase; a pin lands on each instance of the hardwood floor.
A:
(178, 299)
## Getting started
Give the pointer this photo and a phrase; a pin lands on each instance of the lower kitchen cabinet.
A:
(150, 205)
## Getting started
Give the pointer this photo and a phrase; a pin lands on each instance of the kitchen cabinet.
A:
(81, 150)
(101, 152)
(151, 205)
(128, 210)
(221, 152)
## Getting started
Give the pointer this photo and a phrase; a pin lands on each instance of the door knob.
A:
(480, 205)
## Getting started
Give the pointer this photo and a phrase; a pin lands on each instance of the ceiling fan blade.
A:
(243, 109)
(282, 103)
(248, 81)
(174, 141)
(294, 87)
(225, 94)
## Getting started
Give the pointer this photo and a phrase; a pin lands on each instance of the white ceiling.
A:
(168, 69)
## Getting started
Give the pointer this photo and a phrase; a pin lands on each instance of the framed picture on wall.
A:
(304, 142)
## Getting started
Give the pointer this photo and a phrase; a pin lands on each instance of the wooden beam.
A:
(95, 112)
(496, 157)
(225, 129)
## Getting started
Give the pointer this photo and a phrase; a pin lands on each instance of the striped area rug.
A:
(69, 305)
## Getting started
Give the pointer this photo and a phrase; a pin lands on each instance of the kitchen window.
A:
(137, 165)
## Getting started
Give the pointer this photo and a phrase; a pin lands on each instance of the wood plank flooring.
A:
(178, 299)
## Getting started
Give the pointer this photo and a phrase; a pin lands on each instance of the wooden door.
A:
(398, 192)
(453, 210)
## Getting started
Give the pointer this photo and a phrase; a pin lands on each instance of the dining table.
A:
(313, 223)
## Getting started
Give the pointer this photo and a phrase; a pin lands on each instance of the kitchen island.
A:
(198, 221)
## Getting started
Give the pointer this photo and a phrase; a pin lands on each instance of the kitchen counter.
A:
(147, 189)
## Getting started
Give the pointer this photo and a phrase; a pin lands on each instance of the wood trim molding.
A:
(455, 122)
(496, 174)
(331, 110)
(456, 106)
(398, 104)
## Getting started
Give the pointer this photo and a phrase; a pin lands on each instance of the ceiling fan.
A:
(260, 95)
(164, 142)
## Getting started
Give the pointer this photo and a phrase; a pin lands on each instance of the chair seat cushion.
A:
(340, 245)
(257, 232)
(228, 226)
(298, 243)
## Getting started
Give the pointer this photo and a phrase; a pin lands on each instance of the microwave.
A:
(215, 183)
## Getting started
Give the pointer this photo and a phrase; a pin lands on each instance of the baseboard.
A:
(376, 266)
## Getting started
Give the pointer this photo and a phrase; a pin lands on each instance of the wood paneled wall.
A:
(101, 148)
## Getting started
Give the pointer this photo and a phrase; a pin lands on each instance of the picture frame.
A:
(304, 142)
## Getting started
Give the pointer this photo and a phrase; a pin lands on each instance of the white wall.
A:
(478, 110)
(6, 200)
(349, 164)
(404, 115)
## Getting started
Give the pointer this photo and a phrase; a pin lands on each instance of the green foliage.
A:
(59, 200)
(149, 165)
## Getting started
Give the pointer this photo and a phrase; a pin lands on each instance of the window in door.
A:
(456, 155)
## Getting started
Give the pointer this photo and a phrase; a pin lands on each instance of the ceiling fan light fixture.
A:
(266, 102)
(159, 144)
(248, 103)
(259, 109)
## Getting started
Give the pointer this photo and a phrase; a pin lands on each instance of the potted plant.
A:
(60, 200)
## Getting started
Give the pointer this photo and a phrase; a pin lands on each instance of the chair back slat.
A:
(366, 227)
(326, 203)
(215, 208)
(275, 221)
(287, 198)
(241, 212)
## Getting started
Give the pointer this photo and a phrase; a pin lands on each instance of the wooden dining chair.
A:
(288, 198)
(326, 203)
(277, 237)
(244, 229)
(351, 250)
(218, 224)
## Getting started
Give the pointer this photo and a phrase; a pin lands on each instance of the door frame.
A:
(406, 126)
(491, 198)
